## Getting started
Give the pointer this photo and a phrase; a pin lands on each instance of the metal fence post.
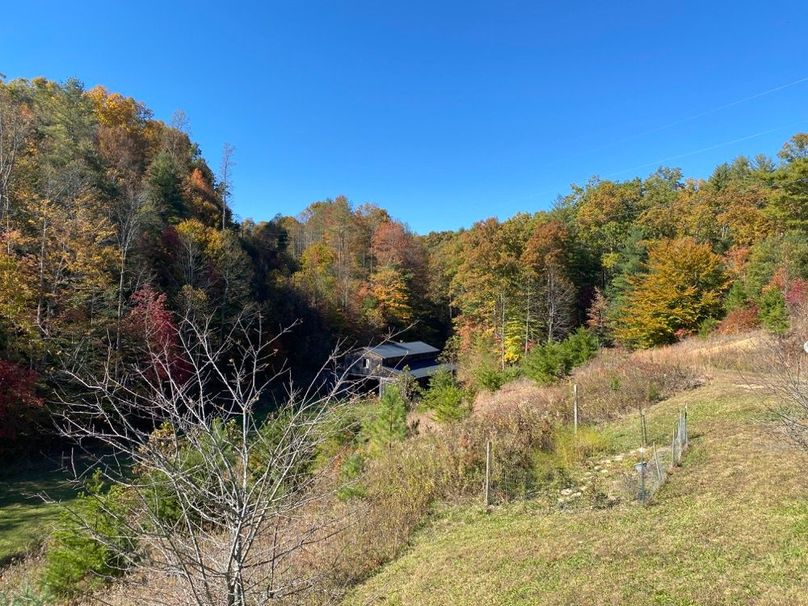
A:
(658, 468)
(640, 467)
(687, 437)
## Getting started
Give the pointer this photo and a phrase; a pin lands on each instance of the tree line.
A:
(113, 225)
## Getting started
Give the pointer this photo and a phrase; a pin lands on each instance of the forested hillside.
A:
(112, 220)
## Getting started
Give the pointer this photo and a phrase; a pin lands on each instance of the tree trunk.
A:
(120, 301)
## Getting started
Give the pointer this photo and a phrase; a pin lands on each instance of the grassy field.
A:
(24, 517)
(729, 527)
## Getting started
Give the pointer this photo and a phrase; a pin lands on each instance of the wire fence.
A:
(652, 470)
(509, 475)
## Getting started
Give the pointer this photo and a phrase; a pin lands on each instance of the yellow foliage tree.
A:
(389, 289)
(681, 287)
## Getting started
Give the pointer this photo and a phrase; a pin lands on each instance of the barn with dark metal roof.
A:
(386, 362)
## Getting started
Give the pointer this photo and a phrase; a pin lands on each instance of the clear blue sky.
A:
(443, 112)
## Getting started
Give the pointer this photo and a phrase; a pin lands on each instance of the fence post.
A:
(643, 428)
(488, 473)
(640, 467)
(680, 449)
(673, 448)
(687, 437)
(658, 468)
(575, 407)
(681, 434)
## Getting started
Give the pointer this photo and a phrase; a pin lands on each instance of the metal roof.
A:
(400, 350)
(423, 371)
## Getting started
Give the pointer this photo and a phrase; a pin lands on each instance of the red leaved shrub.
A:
(739, 320)
(152, 322)
(19, 403)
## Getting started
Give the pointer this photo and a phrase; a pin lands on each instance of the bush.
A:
(389, 423)
(739, 320)
(491, 379)
(773, 311)
(551, 361)
(445, 398)
(78, 556)
(26, 596)
(350, 474)
(707, 326)
(160, 493)
(342, 430)
(546, 363)
(581, 346)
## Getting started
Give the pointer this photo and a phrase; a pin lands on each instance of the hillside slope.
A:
(729, 527)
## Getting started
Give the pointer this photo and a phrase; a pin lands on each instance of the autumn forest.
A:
(113, 221)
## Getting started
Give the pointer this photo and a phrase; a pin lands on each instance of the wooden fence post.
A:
(488, 473)
(643, 428)
(673, 448)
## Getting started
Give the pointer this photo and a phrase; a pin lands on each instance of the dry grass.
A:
(739, 352)
(613, 383)
(730, 527)
(539, 550)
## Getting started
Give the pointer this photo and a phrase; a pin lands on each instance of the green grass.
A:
(25, 519)
(729, 527)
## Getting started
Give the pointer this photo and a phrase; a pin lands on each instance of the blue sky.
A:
(442, 112)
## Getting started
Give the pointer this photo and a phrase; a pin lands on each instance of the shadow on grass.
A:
(25, 517)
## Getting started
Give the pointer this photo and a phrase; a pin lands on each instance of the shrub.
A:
(389, 423)
(707, 326)
(773, 311)
(615, 383)
(160, 492)
(736, 296)
(546, 363)
(554, 360)
(26, 596)
(580, 346)
(739, 320)
(445, 398)
(351, 471)
(796, 294)
(342, 430)
(78, 556)
(491, 379)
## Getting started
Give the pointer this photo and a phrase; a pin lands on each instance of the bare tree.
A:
(784, 362)
(182, 427)
(225, 179)
(15, 124)
(557, 298)
(129, 215)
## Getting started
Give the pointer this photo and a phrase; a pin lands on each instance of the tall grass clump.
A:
(400, 485)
